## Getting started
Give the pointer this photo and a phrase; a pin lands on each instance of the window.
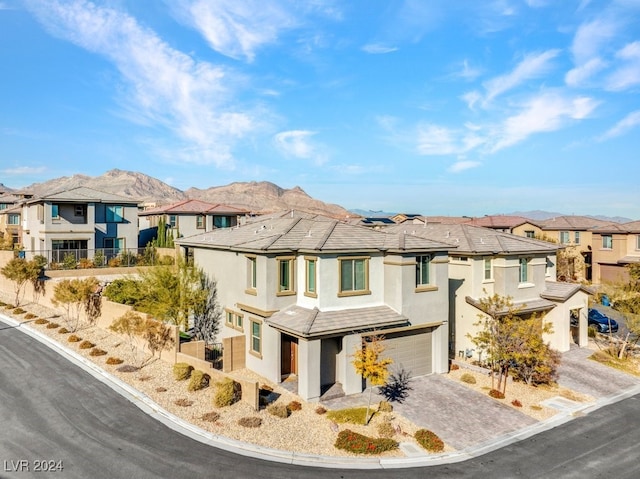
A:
(310, 275)
(576, 237)
(3, 206)
(252, 274)
(79, 210)
(229, 319)
(607, 241)
(285, 275)
(221, 221)
(564, 237)
(524, 270)
(638, 242)
(115, 214)
(114, 243)
(423, 264)
(488, 270)
(173, 221)
(55, 212)
(354, 276)
(14, 219)
(200, 222)
(233, 319)
(530, 234)
(256, 337)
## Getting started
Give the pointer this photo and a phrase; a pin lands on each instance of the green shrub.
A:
(52, 326)
(355, 415)
(385, 406)
(86, 344)
(386, 429)
(252, 421)
(125, 291)
(199, 380)
(113, 361)
(468, 378)
(279, 410)
(353, 442)
(69, 261)
(182, 371)
(494, 393)
(429, 440)
(227, 393)
(74, 339)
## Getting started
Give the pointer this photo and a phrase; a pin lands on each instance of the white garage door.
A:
(410, 350)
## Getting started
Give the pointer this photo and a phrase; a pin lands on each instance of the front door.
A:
(289, 355)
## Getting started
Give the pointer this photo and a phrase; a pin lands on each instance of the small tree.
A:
(207, 311)
(131, 325)
(371, 366)
(77, 296)
(21, 271)
(158, 338)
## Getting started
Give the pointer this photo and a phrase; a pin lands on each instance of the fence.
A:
(213, 354)
(57, 259)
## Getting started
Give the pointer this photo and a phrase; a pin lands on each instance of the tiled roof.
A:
(194, 207)
(312, 322)
(499, 221)
(629, 259)
(559, 291)
(571, 223)
(632, 227)
(320, 234)
(83, 193)
(474, 239)
(523, 307)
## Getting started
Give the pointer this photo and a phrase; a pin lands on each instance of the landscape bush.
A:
(19, 311)
(359, 444)
(355, 415)
(278, 410)
(320, 410)
(429, 440)
(182, 371)
(516, 403)
(386, 429)
(160, 389)
(210, 416)
(454, 367)
(252, 421)
(74, 339)
(29, 316)
(294, 406)
(113, 361)
(183, 402)
(63, 330)
(494, 393)
(468, 378)
(97, 352)
(226, 393)
(52, 326)
(41, 321)
(385, 406)
(86, 344)
(198, 380)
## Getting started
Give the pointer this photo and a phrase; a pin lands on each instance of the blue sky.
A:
(437, 107)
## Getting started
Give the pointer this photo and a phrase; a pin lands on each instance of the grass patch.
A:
(354, 415)
(625, 365)
(468, 378)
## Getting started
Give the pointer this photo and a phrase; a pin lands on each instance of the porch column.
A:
(352, 381)
(583, 335)
(309, 369)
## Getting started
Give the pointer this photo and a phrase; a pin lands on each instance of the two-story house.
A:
(304, 293)
(188, 218)
(487, 262)
(615, 246)
(11, 215)
(79, 221)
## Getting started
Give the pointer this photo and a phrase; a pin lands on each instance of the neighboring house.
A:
(615, 246)
(574, 234)
(487, 262)
(79, 221)
(420, 219)
(188, 218)
(506, 224)
(10, 221)
(303, 293)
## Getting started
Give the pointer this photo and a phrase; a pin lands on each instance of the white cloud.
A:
(632, 120)
(433, 140)
(590, 38)
(235, 29)
(376, 49)
(543, 113)
(579, 75)
(628, 73)
(471, 98)
(459, 166)
(299, 144)
(532, 66)
(162, 86)
(23, 170)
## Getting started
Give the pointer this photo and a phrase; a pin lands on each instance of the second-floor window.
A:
(256, 337)
(354, 275)
(115, 214)
(285, 275)
(564, 237)
(252, 273)
(200, 222)
(638, 242)
(524, 270)
(488, 270)
(55, 211)
(530, 234)
(607, 241)
(576, 239)
(14, 219)
(173, 221)
(310, 276)
(423, 264)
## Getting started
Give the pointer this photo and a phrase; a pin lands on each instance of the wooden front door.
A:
(289, 352)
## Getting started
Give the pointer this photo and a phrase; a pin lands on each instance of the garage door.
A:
(410, 350)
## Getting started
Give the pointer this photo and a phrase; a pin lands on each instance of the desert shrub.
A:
(454, 367)
(199, 380)
(494, 393)
(74, 339)
(429, 440)
(516, 403)
(182, 371)
(97, 352)
(29, 316)
(468, 378)
(210, 416)
(535, 407)
(320, 410)
(52, 326)
(41, 321)
(128, 368)
(86, 344)
(85, 263)
(19, 311)
(592, 332)
(354, 415)
(278, 410)
(183, 402)
(63, 330)
(144, 378)
(125, 291)
(357, 443)
(227, 393)
(114, 262)
(252, 421)
(397, 386)
(69, 261)
(160, 389)
(294, 406)
(113, 361)
(385, 406)
(386, 429)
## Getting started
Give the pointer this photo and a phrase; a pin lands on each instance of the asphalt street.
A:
(53, 412)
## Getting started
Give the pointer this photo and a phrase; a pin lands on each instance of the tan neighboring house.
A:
(188, 218)
(421, 219)
(11, 215)
(574, 234)
(487, 262)
(301, 294)
(615, 246)
(506, 224)
(79, 221)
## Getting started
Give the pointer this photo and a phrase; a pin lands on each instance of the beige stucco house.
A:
(615, 246)
(303, 293)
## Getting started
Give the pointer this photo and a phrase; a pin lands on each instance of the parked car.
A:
(602, 322)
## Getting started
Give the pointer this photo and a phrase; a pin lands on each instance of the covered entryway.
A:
(410, 350)
(289, 356)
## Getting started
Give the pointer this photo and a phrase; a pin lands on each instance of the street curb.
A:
(147, 405)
